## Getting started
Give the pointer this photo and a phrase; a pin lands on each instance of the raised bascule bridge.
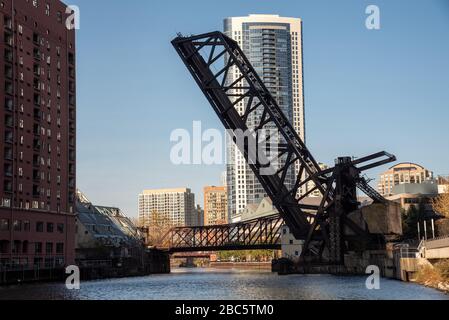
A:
(336, 232)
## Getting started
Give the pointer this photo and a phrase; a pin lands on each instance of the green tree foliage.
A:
(410, 221)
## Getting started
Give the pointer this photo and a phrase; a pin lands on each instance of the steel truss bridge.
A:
(211, 58)
(263, 233)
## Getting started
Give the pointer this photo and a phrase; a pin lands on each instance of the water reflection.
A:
(207, 284)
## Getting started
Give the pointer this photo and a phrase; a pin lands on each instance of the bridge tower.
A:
(210, 58)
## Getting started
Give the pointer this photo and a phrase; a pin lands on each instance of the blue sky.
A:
(365, 91)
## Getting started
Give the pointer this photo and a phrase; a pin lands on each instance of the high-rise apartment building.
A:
(403, 173)
(37, 135)
(173, 207)
(215, 206)
(273, 44)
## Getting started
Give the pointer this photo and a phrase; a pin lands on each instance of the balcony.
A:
(72, 155)
(8, 23)
(8, 55)
(36, 54)
(36, 176)
(72, 141)
(37, 145)
(36, 192)
(8, 170)
(9, 137)
(37, 114)
(37, 100)
(8, 154)
(71, 58)
(9, 121)
(9, 40)
(72, 170)
(36, 162)
(36, 130)
(36, 70)
(36, 84)
(72, 100)
(9, 88)
(8, 72)
(71, 86)
(9, 104)
(71, 72)
(36, 39)
(7, 186)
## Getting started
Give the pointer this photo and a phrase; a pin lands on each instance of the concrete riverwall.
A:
(153, 262)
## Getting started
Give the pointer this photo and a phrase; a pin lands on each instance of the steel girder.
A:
(263, 233)
(211, 58)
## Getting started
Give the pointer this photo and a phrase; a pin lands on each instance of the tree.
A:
(441, 204)
(410, 221)
(158, 226)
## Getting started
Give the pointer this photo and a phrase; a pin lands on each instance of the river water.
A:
(230, 284)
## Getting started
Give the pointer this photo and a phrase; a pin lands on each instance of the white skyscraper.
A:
(273, 44)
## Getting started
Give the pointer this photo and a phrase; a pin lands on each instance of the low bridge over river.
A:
(262, 233)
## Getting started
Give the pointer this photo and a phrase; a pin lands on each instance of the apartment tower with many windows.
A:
(215, 206)
(273, 44)
(168, 207)
(37, 135)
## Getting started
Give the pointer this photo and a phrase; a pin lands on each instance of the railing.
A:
(7, 263)
(405, 251)
(436, 243)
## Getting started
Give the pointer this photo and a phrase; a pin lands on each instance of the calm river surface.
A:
(206, 284)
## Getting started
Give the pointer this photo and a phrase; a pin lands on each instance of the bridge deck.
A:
(262, 233)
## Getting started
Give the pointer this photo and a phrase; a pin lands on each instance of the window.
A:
(59, 248)
(50, 227)
(38, 247)
(38, 261)
(26, 226)
(17, 225)
(39, 225)
(49, 248)
(4, 225)
(60, 227)
(25, 247)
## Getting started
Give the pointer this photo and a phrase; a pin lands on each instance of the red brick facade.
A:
(37, 135)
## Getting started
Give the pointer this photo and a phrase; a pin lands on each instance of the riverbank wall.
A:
(355, 264)
(152, 262)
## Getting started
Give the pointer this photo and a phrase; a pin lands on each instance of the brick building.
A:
(37, 135)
